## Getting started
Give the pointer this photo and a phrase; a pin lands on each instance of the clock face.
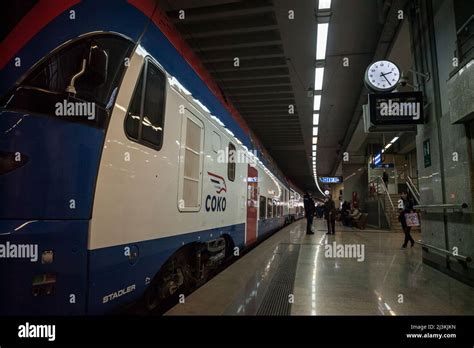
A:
(382, 76)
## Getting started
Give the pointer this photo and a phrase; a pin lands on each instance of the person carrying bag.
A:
(407, 219)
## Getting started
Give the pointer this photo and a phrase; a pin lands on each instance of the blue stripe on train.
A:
(111, 270)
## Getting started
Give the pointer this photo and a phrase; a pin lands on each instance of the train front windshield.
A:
(52, 124)
(78, 83)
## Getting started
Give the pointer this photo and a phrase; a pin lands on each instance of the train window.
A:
(153, 109)
(132, 121)
(231, 162)
(275, 209)
(96, 61)
(263, 206)
(269, 208)
(191, 173)
(216, 142)
(144, 121)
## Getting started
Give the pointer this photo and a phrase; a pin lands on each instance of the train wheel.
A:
(170, 282)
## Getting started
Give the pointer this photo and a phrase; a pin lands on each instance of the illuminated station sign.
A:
(330, 179)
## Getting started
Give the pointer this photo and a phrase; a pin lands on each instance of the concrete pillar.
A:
(446, 174)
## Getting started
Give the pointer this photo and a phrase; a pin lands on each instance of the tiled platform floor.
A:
(389, 281)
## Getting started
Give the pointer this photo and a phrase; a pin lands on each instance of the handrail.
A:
(446, 252)
(379, 178)
(411, 188)
(414, 186)
(379, 181)
(442, 206)
(465, 24)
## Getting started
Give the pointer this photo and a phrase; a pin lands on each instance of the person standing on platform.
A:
(330, 215)
(407, 208)
(309, 212)
(385, 178)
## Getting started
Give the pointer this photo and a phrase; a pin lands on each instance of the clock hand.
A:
(385, 73)
(385, 77)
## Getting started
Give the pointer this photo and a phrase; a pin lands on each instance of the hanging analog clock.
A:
(382, 76)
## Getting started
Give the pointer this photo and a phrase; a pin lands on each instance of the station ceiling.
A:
(277, 60)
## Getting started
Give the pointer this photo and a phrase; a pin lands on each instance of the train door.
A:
(252, 209)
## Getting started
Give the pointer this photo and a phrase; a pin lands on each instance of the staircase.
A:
(393, 214)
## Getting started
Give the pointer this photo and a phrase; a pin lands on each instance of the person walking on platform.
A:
(407, 208)
(330, 215)
(309, 212)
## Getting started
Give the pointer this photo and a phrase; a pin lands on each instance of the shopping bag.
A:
(412, 219)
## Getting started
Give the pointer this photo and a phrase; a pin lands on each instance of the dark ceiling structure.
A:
(276, 55)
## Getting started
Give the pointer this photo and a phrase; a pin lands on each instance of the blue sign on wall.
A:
(330, 179)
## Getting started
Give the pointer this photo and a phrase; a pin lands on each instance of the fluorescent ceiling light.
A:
(317, 102)
(324, 4)
(315, 131)
(314, 153)
(321, 41)
(394, 140)
(315, 140)
(315, 119)
(387, 146)
(314, 147)
(318, 78)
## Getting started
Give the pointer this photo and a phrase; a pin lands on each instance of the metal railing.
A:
(413, 189)
(446, 252)
(454, 207)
